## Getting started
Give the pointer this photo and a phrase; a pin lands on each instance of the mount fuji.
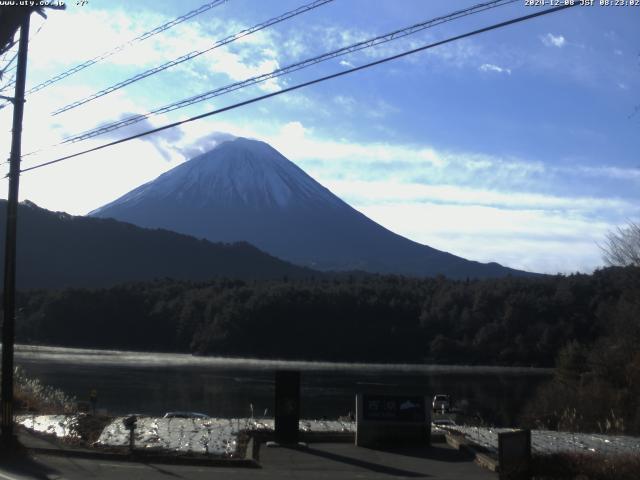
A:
(245, 190)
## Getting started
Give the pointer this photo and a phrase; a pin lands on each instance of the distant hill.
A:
(244, 190)
(56, 250)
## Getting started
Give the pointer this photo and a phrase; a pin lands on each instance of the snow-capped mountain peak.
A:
(236, 172)
(245, 190)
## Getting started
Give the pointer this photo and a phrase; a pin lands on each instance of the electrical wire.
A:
(10, 82)
(139, 38)
(306, 84)
(10, 66)
(5, 48)
(288, 69)
(7, 66)
(279, 72)
(194, 54)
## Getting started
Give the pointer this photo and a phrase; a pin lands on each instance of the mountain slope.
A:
(57, 250)
(245, 190)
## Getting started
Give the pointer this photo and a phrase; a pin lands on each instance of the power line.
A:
(194, 54)
(288, 69)
(10, 66)
(282, 71)
(9, 83)
(9, 62)
(139, 38)
(5, 48)
(306, 84)
(3, 88)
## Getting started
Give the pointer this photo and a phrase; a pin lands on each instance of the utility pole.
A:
(9, 300)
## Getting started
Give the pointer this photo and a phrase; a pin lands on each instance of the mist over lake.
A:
(154, 383)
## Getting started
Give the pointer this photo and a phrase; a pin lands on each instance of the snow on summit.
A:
(238, 171)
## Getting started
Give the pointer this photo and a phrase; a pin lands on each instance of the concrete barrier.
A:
(514, 455)
(459, 442)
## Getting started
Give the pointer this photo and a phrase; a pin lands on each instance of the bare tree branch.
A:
(622, 246)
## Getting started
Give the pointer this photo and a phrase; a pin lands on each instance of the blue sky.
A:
(518, 146)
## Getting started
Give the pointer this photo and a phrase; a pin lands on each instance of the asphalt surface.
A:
(318, 461)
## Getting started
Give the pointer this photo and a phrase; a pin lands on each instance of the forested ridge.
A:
(57, 249)
(509, 321)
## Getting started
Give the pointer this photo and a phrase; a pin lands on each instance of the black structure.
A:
(514, 455)
(9, 299)
(287, 406)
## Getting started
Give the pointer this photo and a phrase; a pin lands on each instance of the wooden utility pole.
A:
(9, 303)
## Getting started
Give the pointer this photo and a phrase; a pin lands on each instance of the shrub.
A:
(31, 395)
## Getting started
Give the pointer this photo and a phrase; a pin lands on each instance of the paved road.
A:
(335, 461)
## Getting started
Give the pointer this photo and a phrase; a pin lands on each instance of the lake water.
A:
(154, 383)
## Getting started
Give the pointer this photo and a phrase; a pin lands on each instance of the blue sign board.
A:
(393, 408)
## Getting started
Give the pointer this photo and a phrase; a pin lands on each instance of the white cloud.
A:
(334, 37)
(489, 67)
(377, 109)
(298, 102)
(459, 54)
(249, 56)
(616, 173)
(109, 29)
(397, 192)
(417, 164)
(344, 101)
(551, 40)
(345, 104)
(238, 68)
(295, 45)
(294, 131)
(380, 109)
(534, 240)
(330, 150)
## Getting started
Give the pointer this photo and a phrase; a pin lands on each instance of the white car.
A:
(444, 422)
(441, 402)
(185, 415)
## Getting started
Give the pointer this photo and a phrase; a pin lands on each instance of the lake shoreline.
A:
(160, 359)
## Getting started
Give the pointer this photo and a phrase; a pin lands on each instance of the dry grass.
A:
(30, 395)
